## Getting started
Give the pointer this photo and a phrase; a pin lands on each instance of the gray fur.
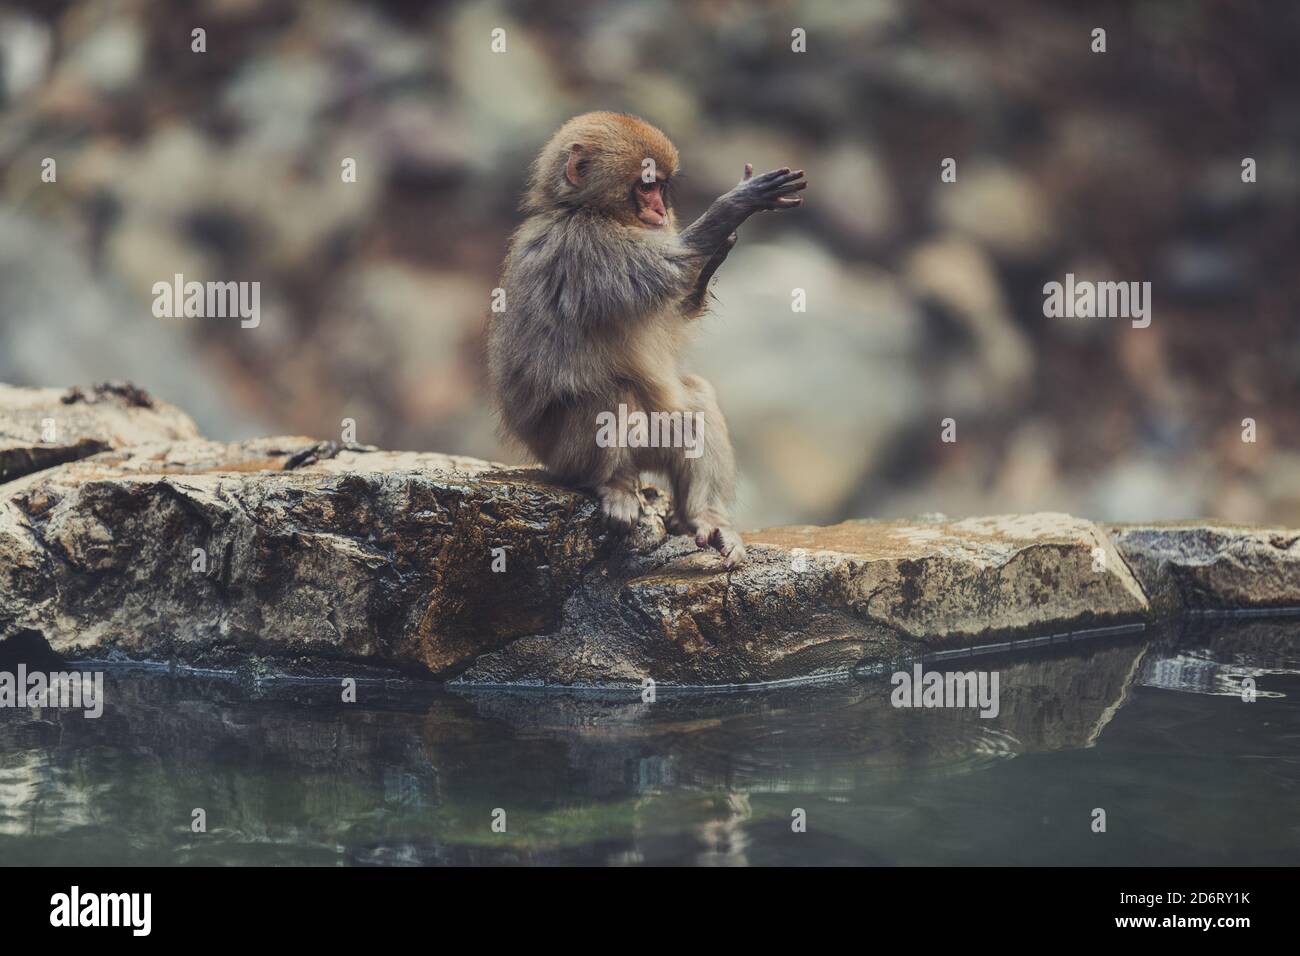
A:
(595, 315)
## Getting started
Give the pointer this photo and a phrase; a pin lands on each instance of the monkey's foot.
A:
(676, 524)
(621, 508)
(725, 540)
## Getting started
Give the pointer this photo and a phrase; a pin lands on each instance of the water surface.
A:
(1153, 731)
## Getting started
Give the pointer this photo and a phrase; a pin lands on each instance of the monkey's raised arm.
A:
(752, 194)
(693, 304)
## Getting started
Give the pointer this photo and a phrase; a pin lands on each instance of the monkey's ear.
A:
(573, 170)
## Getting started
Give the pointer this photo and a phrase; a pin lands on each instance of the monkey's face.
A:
(611, 163)
(651, 199)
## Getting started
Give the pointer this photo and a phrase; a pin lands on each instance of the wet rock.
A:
(815, 600)
(217, 554)
(1202, 565)
(1209, 655)
(43, 427)
(355, 559)
(291, 555)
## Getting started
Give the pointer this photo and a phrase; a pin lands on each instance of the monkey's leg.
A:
(704, 484)
(571, 453)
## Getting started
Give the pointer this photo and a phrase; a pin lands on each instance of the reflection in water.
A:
(1216, 660)
(288, 774)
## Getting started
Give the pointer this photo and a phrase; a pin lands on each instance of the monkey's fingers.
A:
(779, 177)
(768, 190)
(729, 545)
(781, 197)
(784, 186)
(767, 178)
(622, 508)
(788, 182)
(735, 557)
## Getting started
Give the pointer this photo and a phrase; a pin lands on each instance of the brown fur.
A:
(614, 145)
(596, 311)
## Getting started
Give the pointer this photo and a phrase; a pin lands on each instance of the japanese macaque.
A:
(599, 291)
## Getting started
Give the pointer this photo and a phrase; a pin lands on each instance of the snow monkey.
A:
(599, 291)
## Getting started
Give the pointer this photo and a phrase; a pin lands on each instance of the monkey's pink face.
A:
(652, 202)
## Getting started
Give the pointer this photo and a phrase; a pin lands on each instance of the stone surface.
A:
(1194, 566)
(41, 427)
(308, 553)
(291, 555)
(815, 600)
(321, 558)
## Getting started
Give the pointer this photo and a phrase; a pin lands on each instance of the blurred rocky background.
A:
(924, 298)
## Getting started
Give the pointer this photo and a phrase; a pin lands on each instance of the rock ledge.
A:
(306, 557)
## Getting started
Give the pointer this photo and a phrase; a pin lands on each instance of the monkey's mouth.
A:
(652, 218)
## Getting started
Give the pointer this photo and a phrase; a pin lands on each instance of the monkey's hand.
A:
(770, 191)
